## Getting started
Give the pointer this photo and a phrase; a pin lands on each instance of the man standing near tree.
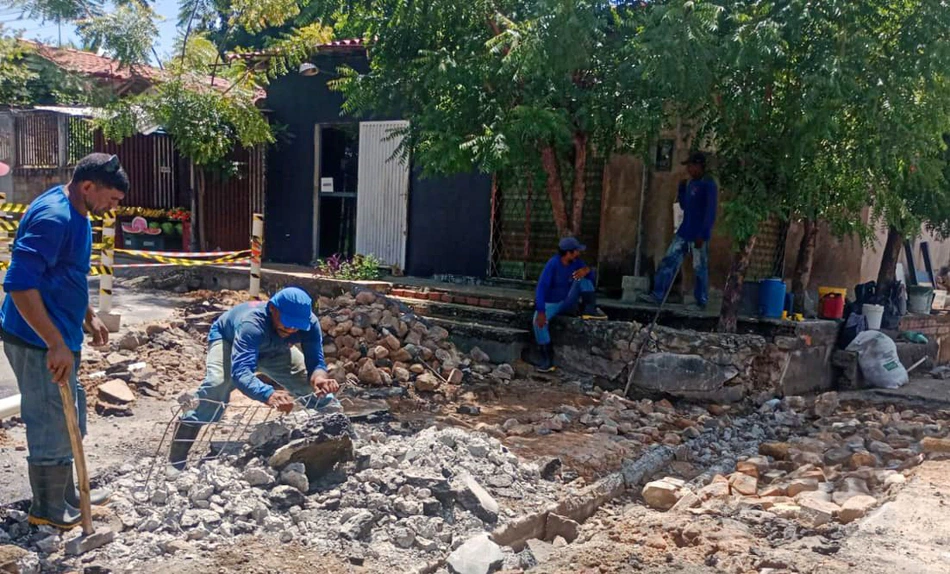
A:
(43, 316)
(698, 198)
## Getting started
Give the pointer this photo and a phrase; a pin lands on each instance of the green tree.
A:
(799, 96)
(523, 87)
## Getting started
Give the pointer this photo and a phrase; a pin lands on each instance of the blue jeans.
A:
(672, 261)
(551, 310)
(41, 406)
(289, 369)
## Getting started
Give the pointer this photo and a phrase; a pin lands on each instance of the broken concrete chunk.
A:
(743, 484)
(116, 391)
(427, 383)
(478, 555)
(817, 512)
(325, 441)
(800, 485)
(562, 526)
(826, 404)
(357, 526)
(476, 499)
(370, 375)
(661, 494)
(83, 543)
(295, 475)
(777, 450)
(856, 507)
(285, 496)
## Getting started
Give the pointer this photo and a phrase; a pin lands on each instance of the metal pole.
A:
(257, 249)
(644, 185)
(5, 245)
(107, 262)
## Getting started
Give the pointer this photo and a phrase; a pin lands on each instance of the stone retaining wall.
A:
(699, 365)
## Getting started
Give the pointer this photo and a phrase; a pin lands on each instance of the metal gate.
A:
(524, 235)
(382, 193)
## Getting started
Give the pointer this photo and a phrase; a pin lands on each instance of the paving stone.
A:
(116, 391)
(818, 512)
(661, 494)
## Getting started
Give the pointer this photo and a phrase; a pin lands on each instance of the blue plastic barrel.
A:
(771, 298)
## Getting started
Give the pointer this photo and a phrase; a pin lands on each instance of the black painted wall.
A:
(449, 218)
(449, 225)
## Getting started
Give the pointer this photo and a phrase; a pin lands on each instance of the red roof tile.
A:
(94, 65)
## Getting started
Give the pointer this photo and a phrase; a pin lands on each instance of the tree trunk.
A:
(887, 273)
(579, 191)
(805, 261)
(202, 228)
(555, 190)
(732, 293)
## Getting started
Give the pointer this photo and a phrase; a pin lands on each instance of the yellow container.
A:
(822, 291)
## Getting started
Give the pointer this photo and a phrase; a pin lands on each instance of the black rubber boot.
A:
(547, 359)
(185, 434)
(97, 496)
(49, 506)
(589, 308)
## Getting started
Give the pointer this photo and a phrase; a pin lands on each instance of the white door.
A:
(382, 195)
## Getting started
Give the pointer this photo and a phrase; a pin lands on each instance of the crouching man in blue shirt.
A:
(698, 199)
(260, 336)
(565, 282)
(43, 316)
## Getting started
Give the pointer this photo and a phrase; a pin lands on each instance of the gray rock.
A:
(479, 356)
(357, 526)
(686, 376)
(258, 477)
(476, 499)
(286, 496)
(561, 526)
(403, 537)
(478, 555)
(295, 475)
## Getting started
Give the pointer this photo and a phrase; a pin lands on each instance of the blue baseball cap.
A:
(295, 306)
(571, 244)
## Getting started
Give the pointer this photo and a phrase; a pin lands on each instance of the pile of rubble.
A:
(830, 464)
(373, 341)
(320, 481)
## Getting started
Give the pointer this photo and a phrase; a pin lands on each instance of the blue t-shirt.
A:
(250, 331)
(50, 254)
(697, 198)
(556, 281)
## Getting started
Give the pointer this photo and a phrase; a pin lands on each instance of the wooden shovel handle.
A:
(75, 438)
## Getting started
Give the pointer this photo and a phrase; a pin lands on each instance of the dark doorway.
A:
(339, 163)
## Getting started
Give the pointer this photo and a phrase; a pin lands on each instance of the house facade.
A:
(335, 186)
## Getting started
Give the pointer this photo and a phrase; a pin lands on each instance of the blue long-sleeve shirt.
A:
(698, 198)
(556, 280)
(250, 331)
(50, 254)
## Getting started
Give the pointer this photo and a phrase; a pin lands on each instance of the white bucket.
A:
(874, 314)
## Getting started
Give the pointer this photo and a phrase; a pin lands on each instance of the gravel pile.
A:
(392, 501)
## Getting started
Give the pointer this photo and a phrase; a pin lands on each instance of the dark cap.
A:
(696, 158)
(103, 169)
(570, 244)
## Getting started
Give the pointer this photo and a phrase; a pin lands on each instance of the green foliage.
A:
(817, 109)
(204, 125)
(127, 33)
(359, 268)
(14, 74)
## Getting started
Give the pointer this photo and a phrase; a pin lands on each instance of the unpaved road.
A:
(111, 441)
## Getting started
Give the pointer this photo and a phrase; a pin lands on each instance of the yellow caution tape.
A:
(184, 260)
